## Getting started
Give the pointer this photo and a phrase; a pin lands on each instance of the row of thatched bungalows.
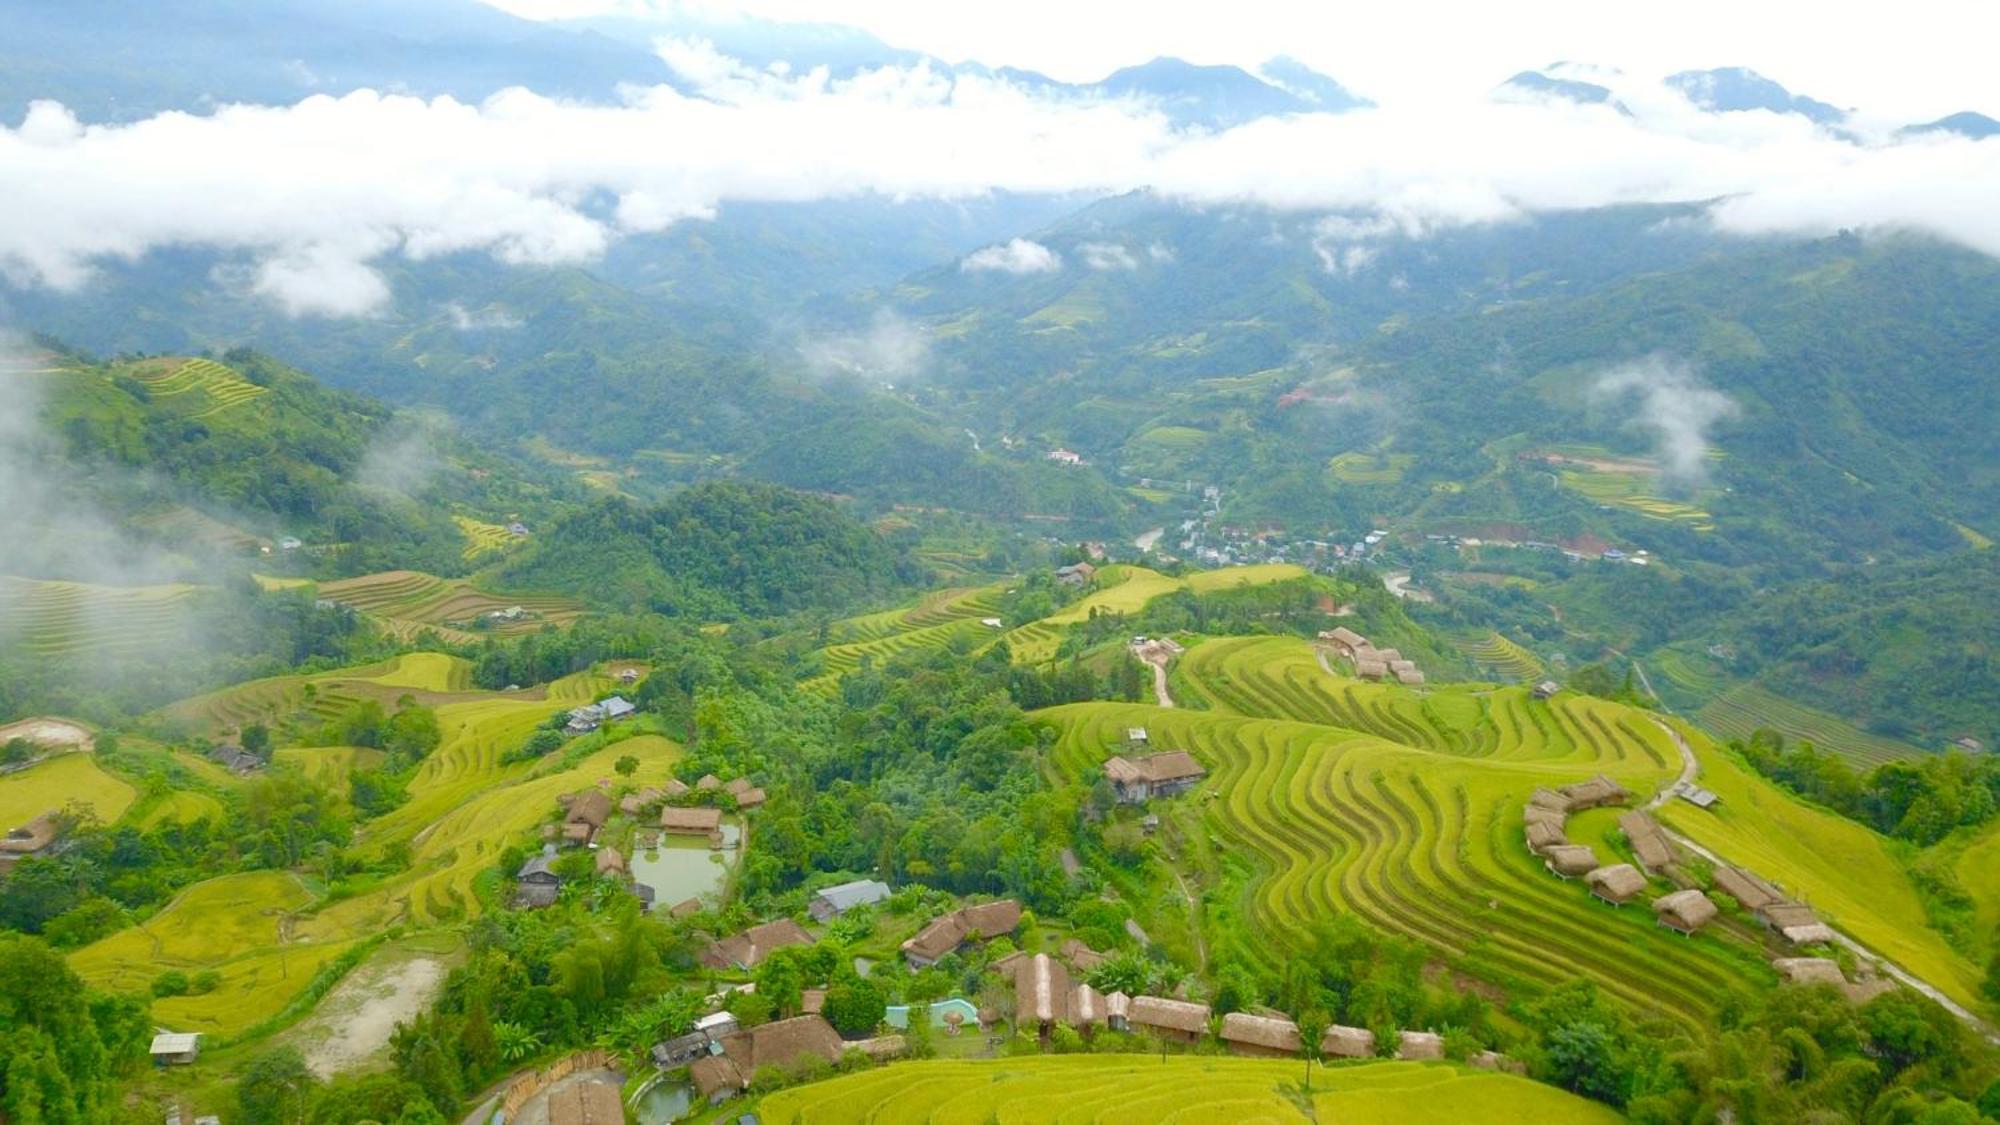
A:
(1045, 995)
(1794, 921)
(1371, 663)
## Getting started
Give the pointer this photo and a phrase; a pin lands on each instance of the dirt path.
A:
(356, 1018)
(1158, 654)
(1690, 766)
(1194, 920)
(1160, 684)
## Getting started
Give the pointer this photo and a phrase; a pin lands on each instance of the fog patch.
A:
(893, 348)
(403, 459)
(1667, 400)
(480, 320)
(1107, 256)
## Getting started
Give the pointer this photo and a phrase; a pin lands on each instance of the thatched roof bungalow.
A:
(1749, 890)
(1550, 799)
(1686, 911)
(1170, 1019)
(1264, 1036)
(1420, 1045)
(1081, 957)
(1041, 992)
(1616, 884)
(1117, 1010)
(1538, 814)
(1595, 793)
(1087, 1008)
(947, 932)
(716, 1078)
(1570, 860)
(1370, 669)
(690, 821)
(1809, 970)
(1543, 835)
(748, 949)
(1649, 841)
(610, 861)
(1347, 1042)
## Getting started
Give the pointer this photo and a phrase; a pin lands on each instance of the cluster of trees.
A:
(1921, 800)
(63, 1047)
(719, 550)
(87, 889)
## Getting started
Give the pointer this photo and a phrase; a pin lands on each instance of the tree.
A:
(256, 738)
(855, 1007)
(626, 765)
(1312, 1032)
(275, 1088)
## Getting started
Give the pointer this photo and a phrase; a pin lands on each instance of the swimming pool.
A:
(898, 1015)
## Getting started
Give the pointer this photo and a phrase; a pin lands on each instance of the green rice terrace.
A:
(1620, 482)
(1498, 654)
(1405, 807)
(1109, 1088)
(406, 602)
(65, 618)
(205, 387)
(1742, 709)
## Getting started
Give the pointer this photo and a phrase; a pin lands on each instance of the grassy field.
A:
(1501, 655)
(408, 601)
(1192, 1090)
(1405, 809)
(237, 925)
(59, 782)
(1737, 712)
(53, 619)
(181, 806)
(1844, 870)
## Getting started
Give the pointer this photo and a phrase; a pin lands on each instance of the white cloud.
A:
(479, 320)
(1020, 255)
(318, 193)
(1670, 402)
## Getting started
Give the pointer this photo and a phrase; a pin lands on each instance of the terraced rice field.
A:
(183, 806)
(1693, 672)
(1406, 810)
(237, 925)
(329, 765)
(1630, 491)
(77, 619)
(54, 784)
(483, 538)
(1846, 872)
(1501, 655)
(326, 695)
(1191, 1090)
(448, 854)
(218, 387)
(1738, 712)
(1127, 589)
(408, 601)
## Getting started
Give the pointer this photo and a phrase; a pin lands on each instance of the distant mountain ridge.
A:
(1737, 89)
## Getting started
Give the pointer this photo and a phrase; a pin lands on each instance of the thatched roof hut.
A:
(1370, 669)
(1550, 799)
(1543, 835)
(749, 948)
(1746, 888)
(610, 862)
(1347, 1042)
(1081, 957)
(1086, 1007)
(1570, 860)
(715, 1077)
(1809, 970)
(1177, 1018)
(1616, 884)
(1686, 911)
(1420, 1045)
(1596, 792)
(690, 821)
(1536, 814)
(1649, 840)
(1041, 990)
(1260, 1035)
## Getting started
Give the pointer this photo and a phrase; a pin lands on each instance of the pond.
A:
(663, 1102)
(898, 1015)
(681, 868)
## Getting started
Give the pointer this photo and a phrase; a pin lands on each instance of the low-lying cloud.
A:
(892, 348)
(1668, 400)
(1017, 256)
(322, 192)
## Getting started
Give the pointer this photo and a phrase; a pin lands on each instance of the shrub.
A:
(205, 982)
(173, 982)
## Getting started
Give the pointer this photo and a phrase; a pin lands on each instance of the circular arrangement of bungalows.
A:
(1546, 817)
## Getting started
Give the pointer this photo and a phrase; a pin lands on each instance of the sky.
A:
(1915, 59)
(312, 198)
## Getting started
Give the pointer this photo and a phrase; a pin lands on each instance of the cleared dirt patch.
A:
(50, 733)
(352, 1025)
